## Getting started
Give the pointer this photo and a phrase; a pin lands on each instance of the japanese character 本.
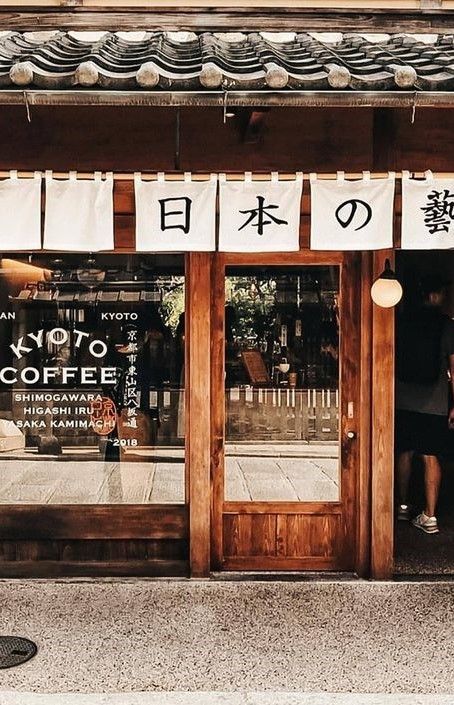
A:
(257, 217)
(439, 211)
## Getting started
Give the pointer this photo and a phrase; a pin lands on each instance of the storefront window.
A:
(282, 384)
(91, 379)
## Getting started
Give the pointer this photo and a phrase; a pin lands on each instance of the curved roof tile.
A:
(257, 60)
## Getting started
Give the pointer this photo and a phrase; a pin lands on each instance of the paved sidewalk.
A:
(269, 698)
(118, 636)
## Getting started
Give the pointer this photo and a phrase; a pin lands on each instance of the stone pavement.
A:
(269, 698)
(241, 640)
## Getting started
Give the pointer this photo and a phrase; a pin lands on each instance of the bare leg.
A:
(432, 480)
(404, 468)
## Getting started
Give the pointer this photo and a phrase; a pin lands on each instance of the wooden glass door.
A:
(286, 369)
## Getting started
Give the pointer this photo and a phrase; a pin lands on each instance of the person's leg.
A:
(404, 468)
(432, 480)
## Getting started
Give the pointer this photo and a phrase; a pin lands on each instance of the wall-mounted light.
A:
(386, 291)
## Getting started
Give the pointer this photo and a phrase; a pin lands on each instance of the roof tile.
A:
(234, 61)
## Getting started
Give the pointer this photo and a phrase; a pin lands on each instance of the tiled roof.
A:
(253, 61)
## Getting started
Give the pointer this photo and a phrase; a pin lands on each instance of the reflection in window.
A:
(282, 376)
(91, 379)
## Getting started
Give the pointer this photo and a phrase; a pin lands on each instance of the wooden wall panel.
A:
(427, 143)
(66, 138)
(60, 558)
(94, 550)
(292, 139)
(141, 521)
(130, 139)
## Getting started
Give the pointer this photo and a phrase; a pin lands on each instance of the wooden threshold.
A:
(98, 521)
(270, 563)
(277, 18)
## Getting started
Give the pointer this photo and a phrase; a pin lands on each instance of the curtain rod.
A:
(232, 176)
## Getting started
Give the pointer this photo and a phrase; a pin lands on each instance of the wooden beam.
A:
(303, 19)
(382, 544)
(253, 99)
(198, 433)
(93, 521)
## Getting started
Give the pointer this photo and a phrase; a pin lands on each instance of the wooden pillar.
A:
(197, 333)
(382, 544)
(365, 424)
(217, 407)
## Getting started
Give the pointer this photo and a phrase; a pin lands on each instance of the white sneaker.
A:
(403, 512)
(427, 524)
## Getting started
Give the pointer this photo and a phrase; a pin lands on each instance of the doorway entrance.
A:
(416, 552)
(286, 413)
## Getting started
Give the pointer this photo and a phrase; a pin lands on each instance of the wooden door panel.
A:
(281, 535)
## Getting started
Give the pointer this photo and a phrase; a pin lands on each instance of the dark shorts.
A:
(426, 434)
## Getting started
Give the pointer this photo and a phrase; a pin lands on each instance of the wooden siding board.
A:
(285, 18)
(65, 569)
(40, 522)
(93, 550)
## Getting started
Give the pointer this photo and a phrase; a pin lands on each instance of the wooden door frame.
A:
(361, 478)
(382, 425)
(198, 412)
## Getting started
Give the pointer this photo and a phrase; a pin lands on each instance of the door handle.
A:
(351, 435)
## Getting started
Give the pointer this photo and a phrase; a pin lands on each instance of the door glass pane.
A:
(282, 384)
(91, 379)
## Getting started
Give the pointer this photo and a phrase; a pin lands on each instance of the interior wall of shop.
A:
(282, 139)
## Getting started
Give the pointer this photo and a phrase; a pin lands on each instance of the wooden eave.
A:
(252, 99)
(215, 19)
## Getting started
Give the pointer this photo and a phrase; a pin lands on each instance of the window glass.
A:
(282, 384)
(91, 379)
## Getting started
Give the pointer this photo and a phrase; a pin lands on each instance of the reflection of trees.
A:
(254, 301)
(172, 305)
